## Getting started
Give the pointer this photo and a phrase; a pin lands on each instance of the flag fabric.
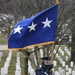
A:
(35, 31)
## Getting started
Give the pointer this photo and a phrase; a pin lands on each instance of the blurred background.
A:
(12, 11)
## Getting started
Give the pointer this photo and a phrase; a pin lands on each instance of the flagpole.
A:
(57, 2)
(52, 52)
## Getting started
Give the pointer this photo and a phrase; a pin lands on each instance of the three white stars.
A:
(32, 27)
(17, 30)
(47, 23)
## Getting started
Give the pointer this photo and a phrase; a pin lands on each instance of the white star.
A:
(47, 23)
(17, 30)
(32, 27)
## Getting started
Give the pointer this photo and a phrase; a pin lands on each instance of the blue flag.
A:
(35, 31)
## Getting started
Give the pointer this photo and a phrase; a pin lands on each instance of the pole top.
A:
(57, 2)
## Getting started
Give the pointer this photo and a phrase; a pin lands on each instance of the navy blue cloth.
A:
(39, 29)
(42, 71)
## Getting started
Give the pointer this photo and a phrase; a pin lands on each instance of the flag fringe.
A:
(31, 46)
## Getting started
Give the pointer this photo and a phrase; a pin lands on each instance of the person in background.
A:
(46, 67)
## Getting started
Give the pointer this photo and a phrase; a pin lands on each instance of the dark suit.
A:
(43, 71)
